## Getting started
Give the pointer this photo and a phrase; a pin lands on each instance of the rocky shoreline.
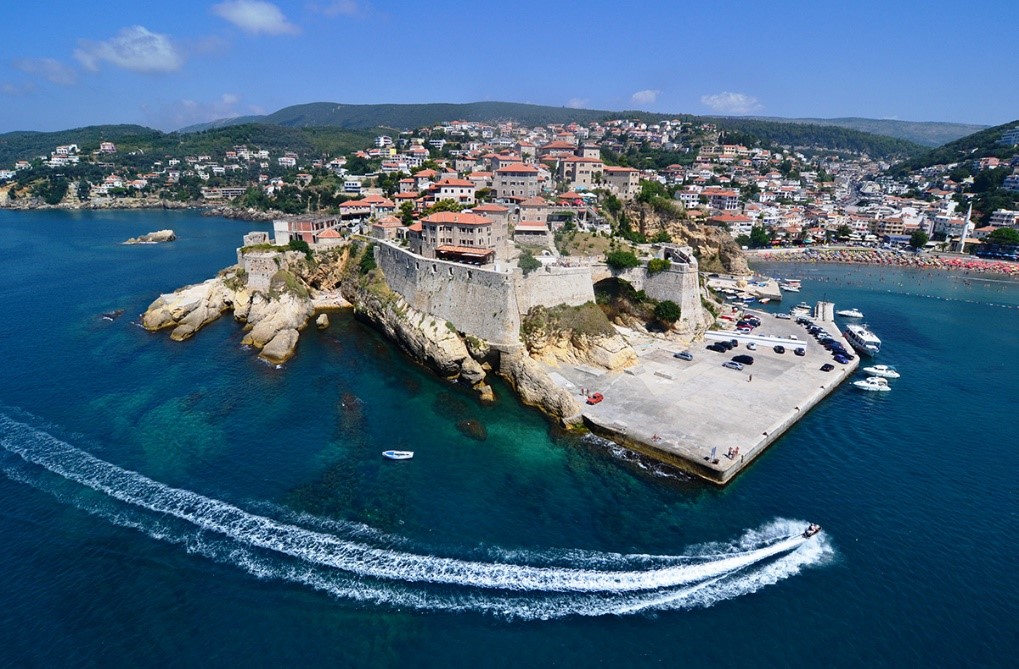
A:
(105, 204)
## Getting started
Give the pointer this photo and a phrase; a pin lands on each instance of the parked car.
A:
(743, 359)
(744, 330)
(595, 398)
(683, 355)
(718, 347)
(800, 351)
(779, 348)
(784, 317)
(827, 367)
(733, 343)
(841, 359)
(751, 346)
(733, 365)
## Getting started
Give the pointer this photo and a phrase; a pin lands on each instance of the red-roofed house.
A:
(516, 180)
(579, 172)
(458, 236)
(737, 224)
(460, 191)
(623, 181)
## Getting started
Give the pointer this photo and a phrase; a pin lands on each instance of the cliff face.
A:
(575, 335)
(715, 248)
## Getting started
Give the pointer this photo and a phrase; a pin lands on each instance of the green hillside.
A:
(153, 143)
(925, 133)
(979, 144)
(807, 136)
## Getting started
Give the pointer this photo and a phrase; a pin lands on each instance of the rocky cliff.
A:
(714, 247)
(274, 318)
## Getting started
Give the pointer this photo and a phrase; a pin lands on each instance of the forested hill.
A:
(977, 145)
(807, 136)
(925, 133)
(137, 139)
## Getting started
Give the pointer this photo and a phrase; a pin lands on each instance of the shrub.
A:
(367, 262)
(300, 245)
(656, 265)
(667, 312)
(527, 262)
(620, 260)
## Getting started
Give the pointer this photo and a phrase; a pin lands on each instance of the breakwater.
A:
(867, 256)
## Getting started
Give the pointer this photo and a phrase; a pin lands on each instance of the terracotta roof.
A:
(534, 202)
(620, 169)
(494, 208)
(518, 167)
(456, 218)
(415, 227)
(531, 225)
(457, 183)
(329, 233)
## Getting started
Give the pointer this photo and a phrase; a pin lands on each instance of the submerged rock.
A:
(112, 315)
(473, 428)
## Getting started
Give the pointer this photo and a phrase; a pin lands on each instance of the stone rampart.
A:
(552, 285)
(477, 301)
(260, 267)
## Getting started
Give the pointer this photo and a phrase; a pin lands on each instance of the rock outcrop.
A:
(274, 319)
(535, 388)
(714, 247)
(322, 322)
(157, 237)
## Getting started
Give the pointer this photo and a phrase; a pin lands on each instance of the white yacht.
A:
(790, 287)
(862, 339)
(884, 371)
(849, 313)
(801, 309)
(873, 384)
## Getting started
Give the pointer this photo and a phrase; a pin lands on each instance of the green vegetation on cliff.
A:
(585, 320)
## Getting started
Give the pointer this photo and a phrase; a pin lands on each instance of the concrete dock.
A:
(681, 412)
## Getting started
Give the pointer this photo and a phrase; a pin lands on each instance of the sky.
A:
(167, 65)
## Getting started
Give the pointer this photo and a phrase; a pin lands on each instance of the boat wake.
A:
(352, 561)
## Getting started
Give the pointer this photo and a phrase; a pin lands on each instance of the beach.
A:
(869, 256)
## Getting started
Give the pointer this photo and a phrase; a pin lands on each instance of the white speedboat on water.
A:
(790, 287)
(874, 384)
(883, 371)
(849, 313)
(398, 455)
(801, 309)
(862, 339)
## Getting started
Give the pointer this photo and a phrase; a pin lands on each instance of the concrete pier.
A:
(681, 412)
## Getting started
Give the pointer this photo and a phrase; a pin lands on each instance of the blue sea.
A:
(183, 504)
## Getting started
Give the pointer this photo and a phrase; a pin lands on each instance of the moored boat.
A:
(862, 339)
(882, 370)
(873, 384)
(398, 455)
(849, 313)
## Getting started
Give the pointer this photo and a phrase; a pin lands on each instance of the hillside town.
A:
(464, 190)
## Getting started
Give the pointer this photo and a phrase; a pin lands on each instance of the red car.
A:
(594, 398)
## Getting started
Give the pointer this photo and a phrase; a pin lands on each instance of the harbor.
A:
(704, 418)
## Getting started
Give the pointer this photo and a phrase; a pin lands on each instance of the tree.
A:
(620, 260)
(407, 213)
(445, 205)
(667, 312)
(1004, 236)
(300, 245)
(759, 237)
(843, 231)
(527, 262)
(918, 239)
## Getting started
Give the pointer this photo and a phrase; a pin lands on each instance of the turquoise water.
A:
(184, 504)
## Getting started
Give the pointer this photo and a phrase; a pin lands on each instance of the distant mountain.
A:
(410, 116)
(925, 133)
(977, 145)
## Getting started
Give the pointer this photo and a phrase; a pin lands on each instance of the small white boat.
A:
(789, 288)
(801, 309)
(849, 313)
(874, 384)
(884, 371)
(398, 455)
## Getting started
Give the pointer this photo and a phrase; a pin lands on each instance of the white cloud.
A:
(134, 48)
(645, 97)
(49, 68)
(578, 103)
(255, 17)
(8, 88)
(732, 103)
(181, 113)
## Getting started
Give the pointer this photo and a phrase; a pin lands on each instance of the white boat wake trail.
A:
(352, 563)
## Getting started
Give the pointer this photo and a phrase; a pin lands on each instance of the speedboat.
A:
(811, 530)
(398, 455)
(801, 309)
(849, 313)
(874, 384)
(789, 288)
(882, 370)
(862, 339)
